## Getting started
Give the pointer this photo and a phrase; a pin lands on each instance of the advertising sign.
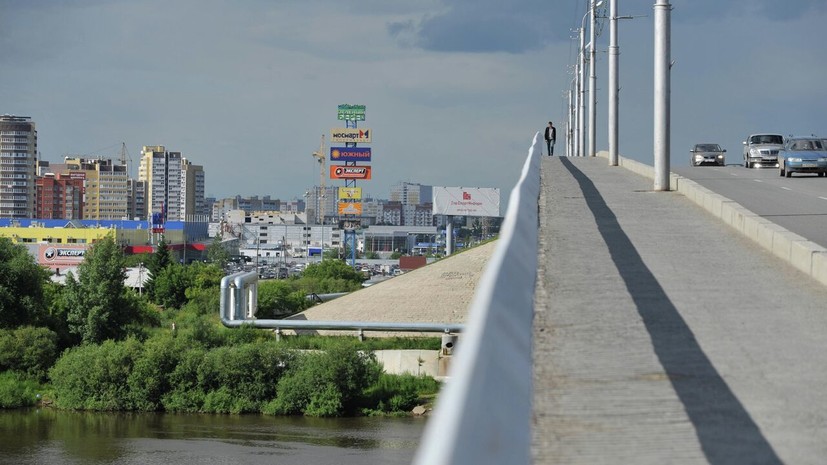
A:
(466, 201)
(350, 193)
(349, 153)
(348, 112)
(350, 135)
(349, 172)
(350, 208)
(77, 175)
(56, 256)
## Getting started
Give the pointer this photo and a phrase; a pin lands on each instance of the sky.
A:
(454, 90)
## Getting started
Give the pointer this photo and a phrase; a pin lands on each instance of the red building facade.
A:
(59, 197)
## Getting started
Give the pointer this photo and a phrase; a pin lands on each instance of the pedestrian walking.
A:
(551, 138)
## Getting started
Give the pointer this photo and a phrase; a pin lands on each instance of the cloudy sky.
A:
(454, 89)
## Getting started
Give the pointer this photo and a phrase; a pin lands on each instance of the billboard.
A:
(349, 172)
(56, 256)
(350, 193)
(350, 135)
(348, 112)
(349, 154)
(350, 208)
(466, 201)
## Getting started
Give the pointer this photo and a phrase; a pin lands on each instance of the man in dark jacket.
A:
(551, 138)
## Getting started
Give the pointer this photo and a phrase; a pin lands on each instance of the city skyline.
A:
(454, 90)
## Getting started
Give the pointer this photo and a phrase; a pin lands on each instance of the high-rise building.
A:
(105, 185)
(136, 205)
(317, 202)
(59, 197)
(174, 186)
(18, 156)
(409, 193)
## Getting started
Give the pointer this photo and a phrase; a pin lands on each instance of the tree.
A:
(170, 285)
(217, 253)
(97, 302)
(279, 298)
(21, 286)
(159, 260)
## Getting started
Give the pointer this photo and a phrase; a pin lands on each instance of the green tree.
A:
(170, 284)
(21, 286)
(332, 269)
(157, 262)
(98, 304)
(277, 298)
(217, 253)
(28, 350)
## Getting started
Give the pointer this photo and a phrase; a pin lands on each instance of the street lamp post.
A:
(581, 90)
(614, 51)
(592, 81)
(662, 94)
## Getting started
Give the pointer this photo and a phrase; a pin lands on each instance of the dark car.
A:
(707, 154)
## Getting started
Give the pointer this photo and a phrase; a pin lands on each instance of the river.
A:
(48, 436)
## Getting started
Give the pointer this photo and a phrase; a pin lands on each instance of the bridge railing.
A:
(483, 414)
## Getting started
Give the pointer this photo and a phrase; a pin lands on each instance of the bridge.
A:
(619, 325)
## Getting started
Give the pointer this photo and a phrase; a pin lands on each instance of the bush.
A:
(30, 351)
(230, 379)
(185, 394)
(329, 383)
(16, 391)
(399, 393)
(149, 379)
(95, 377)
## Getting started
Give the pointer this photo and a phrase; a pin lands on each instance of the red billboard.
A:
(349, 172)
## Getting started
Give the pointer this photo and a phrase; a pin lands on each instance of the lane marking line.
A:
(823, 198)
(786, 188)
(758, 180)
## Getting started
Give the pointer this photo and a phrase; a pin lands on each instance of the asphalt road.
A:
(799, 204)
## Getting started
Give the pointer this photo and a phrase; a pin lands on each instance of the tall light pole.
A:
(662, 93)
(592, 80)
(614, 51)
(581, 90)
(569, 128)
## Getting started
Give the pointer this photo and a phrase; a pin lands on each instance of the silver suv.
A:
(762, 150)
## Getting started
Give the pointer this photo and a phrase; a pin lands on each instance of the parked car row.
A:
(790, 155)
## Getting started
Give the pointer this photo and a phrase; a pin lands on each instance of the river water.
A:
(47, 436)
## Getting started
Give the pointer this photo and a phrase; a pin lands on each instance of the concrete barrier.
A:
(804, 255)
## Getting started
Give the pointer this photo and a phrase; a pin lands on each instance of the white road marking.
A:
(758, 180)
(823, 198)
(786, 188)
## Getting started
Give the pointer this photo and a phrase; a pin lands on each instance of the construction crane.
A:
(320, 157)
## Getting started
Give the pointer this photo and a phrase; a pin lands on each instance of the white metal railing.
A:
(239, 302)
(483, 414)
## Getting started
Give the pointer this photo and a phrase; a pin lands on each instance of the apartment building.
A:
(18, 158)
(173, 184)
(59, 197)
(105, 184)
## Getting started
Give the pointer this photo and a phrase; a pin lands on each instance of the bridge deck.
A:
(663, 336)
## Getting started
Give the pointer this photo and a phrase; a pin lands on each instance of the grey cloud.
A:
(486, 26)
(520, 26)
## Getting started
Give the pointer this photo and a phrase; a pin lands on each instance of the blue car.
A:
(802, 155)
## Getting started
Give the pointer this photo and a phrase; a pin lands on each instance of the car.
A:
(707, 154)
(762, 150)
(802, 155)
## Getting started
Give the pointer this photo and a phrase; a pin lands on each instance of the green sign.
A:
(351, 112)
